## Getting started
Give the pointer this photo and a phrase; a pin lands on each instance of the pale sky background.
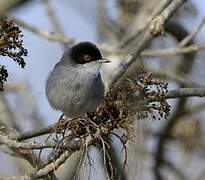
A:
(78, 20)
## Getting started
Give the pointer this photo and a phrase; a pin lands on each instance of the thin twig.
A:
(21, 145)
(191, 36)
(186, 92)
(56, 24)
(173, 51)
(25, 177)
(43, 33)
(35, 133)
(163, 4)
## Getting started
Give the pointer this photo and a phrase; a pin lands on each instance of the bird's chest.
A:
(79, 91)
(87, 90)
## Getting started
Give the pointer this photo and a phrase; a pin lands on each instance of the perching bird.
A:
(75, 86)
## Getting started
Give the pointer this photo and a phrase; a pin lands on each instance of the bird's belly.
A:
(84, 99)
(76, 99)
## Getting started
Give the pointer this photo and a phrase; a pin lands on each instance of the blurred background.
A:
(167, 149)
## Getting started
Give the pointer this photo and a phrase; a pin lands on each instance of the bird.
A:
(75, 86)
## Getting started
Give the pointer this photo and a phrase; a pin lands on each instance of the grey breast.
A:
(74, 91)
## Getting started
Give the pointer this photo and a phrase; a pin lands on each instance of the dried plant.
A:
(144, 96)
(11, 45)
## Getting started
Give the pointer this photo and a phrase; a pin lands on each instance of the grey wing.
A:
(59, 86)
(94, 93)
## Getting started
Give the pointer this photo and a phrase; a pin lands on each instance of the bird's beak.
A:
(103, 60)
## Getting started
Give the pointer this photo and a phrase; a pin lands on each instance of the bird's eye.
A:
(87, 57)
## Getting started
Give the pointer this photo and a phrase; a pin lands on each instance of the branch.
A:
(179, 93)
(35, 133)
(156, 28)
(191, 36)
(180, 108)
(53, 18)
(55, 22)
(20, 145)
(127, 40)
(186, 92)
(43, 33)
(173, 51)
(25, 177)
(52, 36)
(77, 143)
(165, 133)
(7, 129)
(74, 146)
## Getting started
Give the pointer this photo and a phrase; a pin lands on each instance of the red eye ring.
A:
(87, 57)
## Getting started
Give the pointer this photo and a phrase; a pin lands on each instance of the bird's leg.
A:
(90, 115)
(60, 118)
(58, 123)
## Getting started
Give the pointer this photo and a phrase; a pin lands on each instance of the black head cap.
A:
(85, 52)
